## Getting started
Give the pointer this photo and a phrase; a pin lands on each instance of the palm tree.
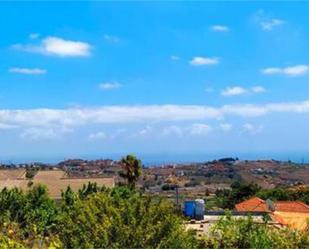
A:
(132, 169)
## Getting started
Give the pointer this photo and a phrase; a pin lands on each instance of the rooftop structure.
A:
(256, 204)
(294, 214)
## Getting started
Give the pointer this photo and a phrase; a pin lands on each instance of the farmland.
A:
(192, 179)
(54, 180)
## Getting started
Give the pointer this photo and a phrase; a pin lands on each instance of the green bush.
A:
(244, 233)
(91, 218)
(120, 218)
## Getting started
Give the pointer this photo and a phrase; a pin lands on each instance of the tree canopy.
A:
(132, 169)
(123, 217)
(91, 218)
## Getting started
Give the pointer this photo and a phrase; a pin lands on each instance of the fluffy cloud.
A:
(297, 70)
(56, 46)
(196, 129)
(38, 133)
(201, 61)
(110, 85)
(270, 24)
(111, 38)
(258, 89)
(7, 126)
(172, 130)
(146, 130)
(34, 36)
(233, 91)
(209, 89)
(252, 129)
(97, 136)
(200, 129)
(226, 127)
(56, 122)
(20, 70)
(266, 22)
(220, 28)
(175, 58)
(237, 90)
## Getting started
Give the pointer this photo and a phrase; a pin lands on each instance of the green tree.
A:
(239, 191)
(123, 218)
(235, 233)
(131, 169)
(28, 219)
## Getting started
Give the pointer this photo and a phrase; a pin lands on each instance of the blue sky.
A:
(174, 80)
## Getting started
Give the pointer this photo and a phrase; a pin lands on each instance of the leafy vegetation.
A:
(31, 172)
(92, 218)
(227, 198)
(285, 194)
(121, 217)
(244, 233)
(132, 169)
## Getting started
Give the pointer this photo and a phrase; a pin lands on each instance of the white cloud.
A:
(233, 91)
(145, 130)
(57, 122)
(226, 127)
(269, 25)
(252, 129)
(34, 36)
(209, 89)
(7, 126)
(27, 70)
(258, 89)
(220, 28)
(97, 136)
(237, 90)
(56, 46)
(110, 85)
(117, 133)
(196, 129)
(200, 129)
(175, 58)
(201, 61)
(111, 38)
(35, 133)
(172, 130)
(297, 70)
(266, 22)
(271, 70)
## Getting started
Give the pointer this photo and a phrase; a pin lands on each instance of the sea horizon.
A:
(157, 159)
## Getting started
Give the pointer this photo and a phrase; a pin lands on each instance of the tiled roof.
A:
(254, 204)
(295, 220)
(291, 206)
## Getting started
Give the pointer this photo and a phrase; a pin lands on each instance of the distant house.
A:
(254, 204)
(293, 214)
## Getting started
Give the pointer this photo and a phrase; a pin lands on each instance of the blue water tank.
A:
(199, 209)
(189, 209)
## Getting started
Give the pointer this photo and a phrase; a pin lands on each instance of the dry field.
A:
(54, 180)
(12, 174)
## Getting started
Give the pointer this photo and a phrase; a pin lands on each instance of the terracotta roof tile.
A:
(254, 204)
(295, 220)
(291, 206)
